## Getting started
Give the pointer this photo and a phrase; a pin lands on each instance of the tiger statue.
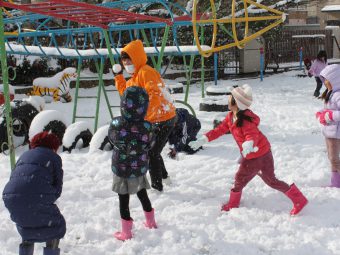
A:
(56, 88)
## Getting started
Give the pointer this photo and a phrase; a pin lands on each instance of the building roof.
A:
(331, 8)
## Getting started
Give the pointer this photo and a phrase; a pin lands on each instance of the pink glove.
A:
(325, 117)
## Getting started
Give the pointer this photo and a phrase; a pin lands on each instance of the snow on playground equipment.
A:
(234, 20)
(104, 27)
(107, 26)
(55, 88)
(2, 97)
(242, 13)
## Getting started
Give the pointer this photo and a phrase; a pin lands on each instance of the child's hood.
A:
(255, 118)
(135, 50)
(332, 74)
(134, 104)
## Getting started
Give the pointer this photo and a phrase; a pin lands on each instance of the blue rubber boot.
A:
(26, 249)
(50, 251)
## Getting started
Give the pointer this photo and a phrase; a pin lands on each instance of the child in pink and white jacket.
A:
(257, 158)
(317, 66)
(329, 117)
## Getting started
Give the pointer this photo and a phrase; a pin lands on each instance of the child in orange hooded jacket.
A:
(161, 112)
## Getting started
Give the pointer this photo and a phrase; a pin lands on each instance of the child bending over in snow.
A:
(329, 117)
(317, 66)
(257, 158)
(30, 195)
(131, 137)
(185, 131)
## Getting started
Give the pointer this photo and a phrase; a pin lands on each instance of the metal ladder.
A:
(101, 87)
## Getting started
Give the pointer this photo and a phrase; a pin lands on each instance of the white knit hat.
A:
(243, 96)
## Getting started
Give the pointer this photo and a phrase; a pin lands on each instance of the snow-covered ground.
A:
(188, 211)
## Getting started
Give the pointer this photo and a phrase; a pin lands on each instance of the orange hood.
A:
(135, 50)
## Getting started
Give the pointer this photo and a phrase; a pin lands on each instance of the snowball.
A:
(116, 68)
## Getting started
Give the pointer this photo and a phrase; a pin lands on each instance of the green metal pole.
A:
(100, 73)
(148, 45)
(202, 64)
(108, 45)
(161, 53)
(101, 83)
(187, 75)
(80, 62)
(8, 112)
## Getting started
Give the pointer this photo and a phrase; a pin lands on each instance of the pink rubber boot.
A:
(150, 219)
(126, 233)
(335, 180)
(298, 199)
(234, 201)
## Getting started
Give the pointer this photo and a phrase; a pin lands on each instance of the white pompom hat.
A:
(243, 96)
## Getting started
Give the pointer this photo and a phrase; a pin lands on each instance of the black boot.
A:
(316, 93)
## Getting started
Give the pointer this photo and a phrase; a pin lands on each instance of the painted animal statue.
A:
(56, 88)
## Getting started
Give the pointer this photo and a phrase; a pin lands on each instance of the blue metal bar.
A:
(94, 45)
(301, 57)
(154, 39)
(261, 63)
(39, 45)
(112, 42)
(43, 23)
(56, 46)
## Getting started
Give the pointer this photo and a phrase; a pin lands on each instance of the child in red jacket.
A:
(257, 158)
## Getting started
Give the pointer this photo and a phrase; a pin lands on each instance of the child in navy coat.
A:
(30, 195)
(131, 137)
(186, 128)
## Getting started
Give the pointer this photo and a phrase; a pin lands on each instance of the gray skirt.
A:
(129, 185)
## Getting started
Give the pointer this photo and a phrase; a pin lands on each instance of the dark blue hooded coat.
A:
(130, 135)
(34, 186)
(185, 131)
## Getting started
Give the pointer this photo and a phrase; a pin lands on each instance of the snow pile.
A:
(36, 101)
(188, 211)
(217, 100)
(219, 89)
(98, 138)
(55, 81)
(73, 130)
(10, 89)
(42, 119)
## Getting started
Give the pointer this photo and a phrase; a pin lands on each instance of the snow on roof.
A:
(52, 51)
(332, 27)
(309, 36)
(331, 8)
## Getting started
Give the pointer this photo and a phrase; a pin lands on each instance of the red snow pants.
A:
(263, 167)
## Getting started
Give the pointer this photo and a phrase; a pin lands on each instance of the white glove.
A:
(199, 142)
(248, 147)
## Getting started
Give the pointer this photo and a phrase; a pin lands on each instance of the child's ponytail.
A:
(242, 116)
(326, 95)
